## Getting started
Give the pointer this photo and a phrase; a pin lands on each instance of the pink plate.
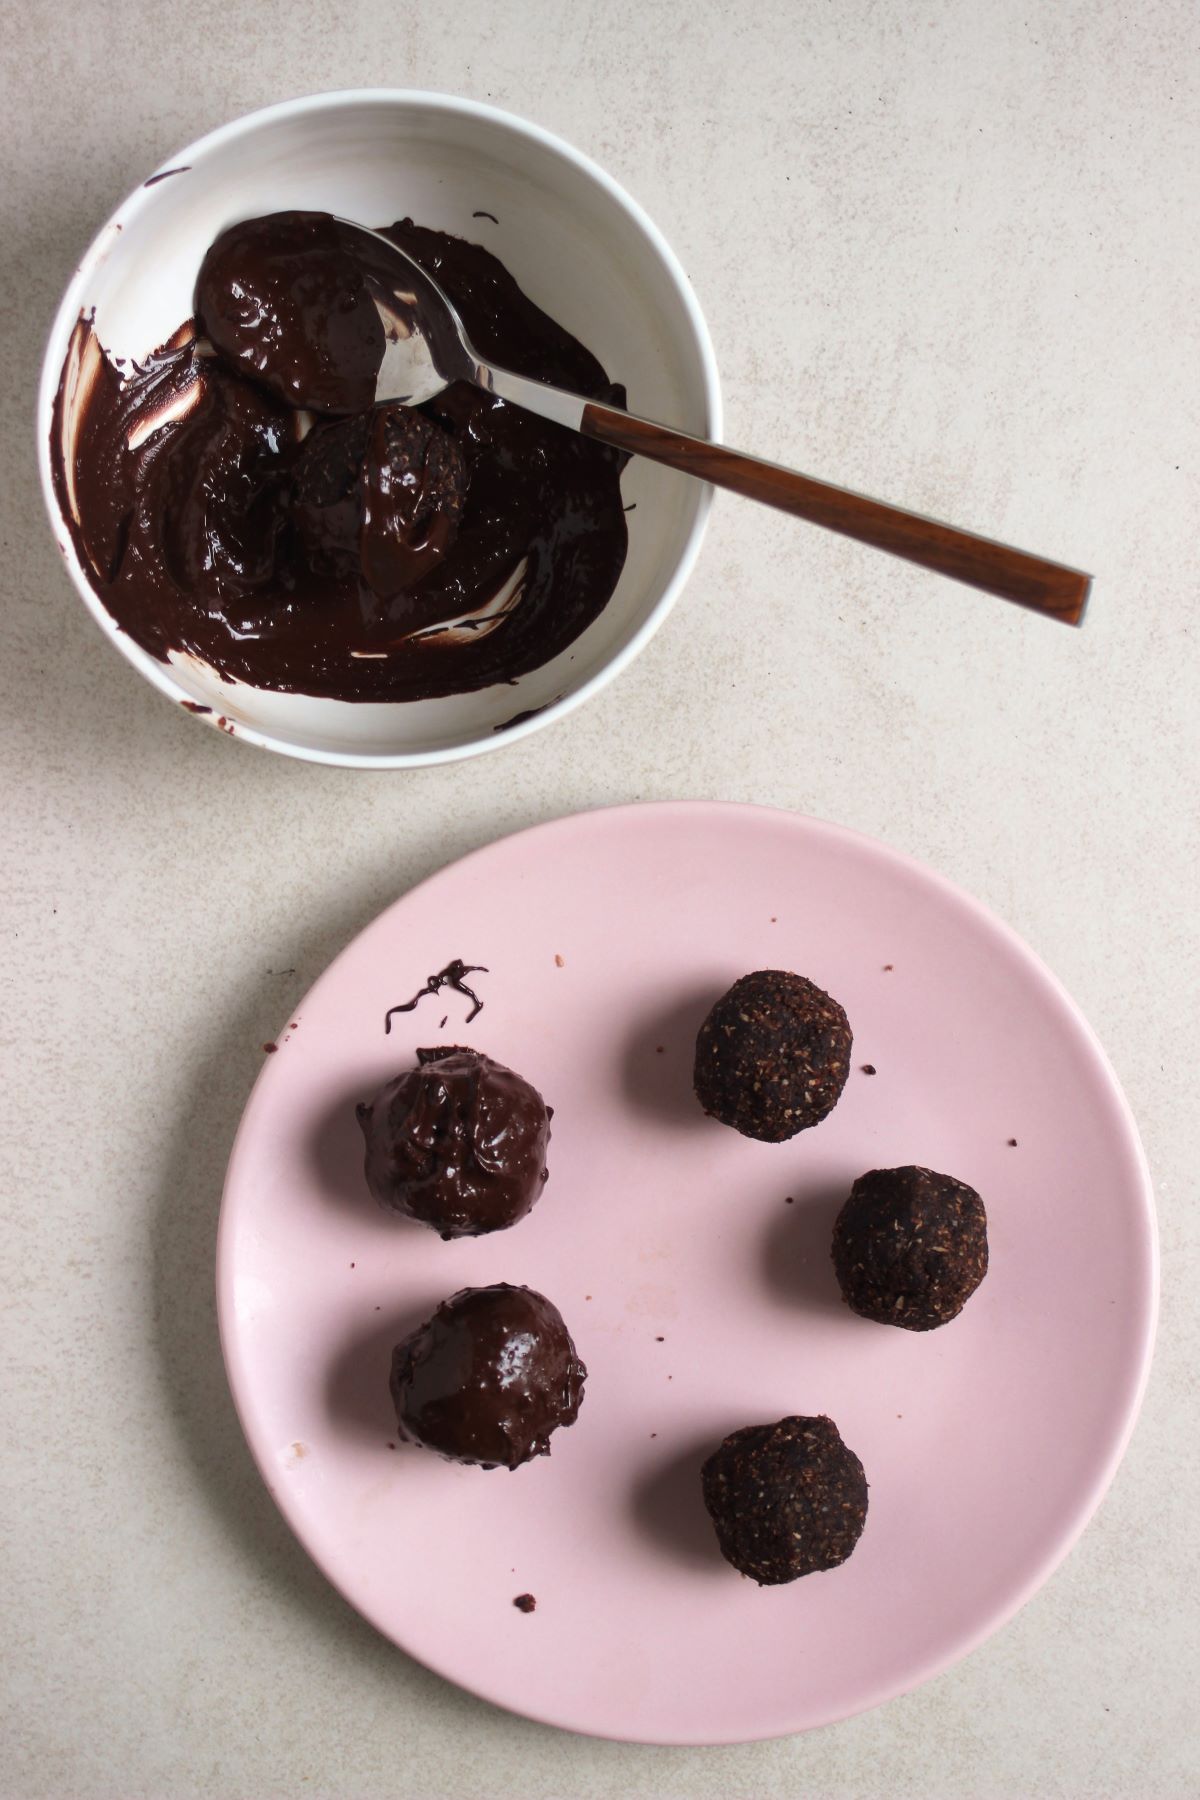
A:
(699, 1297)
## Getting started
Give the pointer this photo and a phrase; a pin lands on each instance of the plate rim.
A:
(1085, 1510)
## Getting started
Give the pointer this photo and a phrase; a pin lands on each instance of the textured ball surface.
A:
(910, 1247)
(787, 1499)
(772, 1056)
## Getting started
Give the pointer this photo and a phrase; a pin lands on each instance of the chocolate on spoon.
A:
(427, 348)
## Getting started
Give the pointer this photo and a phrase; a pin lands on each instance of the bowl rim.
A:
(161, 674)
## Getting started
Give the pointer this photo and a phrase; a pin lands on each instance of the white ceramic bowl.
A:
(577, 244)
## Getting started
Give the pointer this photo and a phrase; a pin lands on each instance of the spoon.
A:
(427, 348)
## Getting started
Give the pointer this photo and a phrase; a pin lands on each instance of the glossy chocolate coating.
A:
(488, 1378)
(282, 299)
(386, 555)
(459, 1143)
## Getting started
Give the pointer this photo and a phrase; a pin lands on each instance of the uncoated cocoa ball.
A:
(772, 1056)
(787, 1499)
(910, 1247)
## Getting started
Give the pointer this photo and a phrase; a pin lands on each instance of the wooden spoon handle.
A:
(1044, 587)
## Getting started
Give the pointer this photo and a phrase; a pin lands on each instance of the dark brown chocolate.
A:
(772, 1056)
(910, 1247)
(488, 1378)
(458, 1143)
(452, 976)
(787, 1499)
(283, 300)
(356, 562)
(381, 493)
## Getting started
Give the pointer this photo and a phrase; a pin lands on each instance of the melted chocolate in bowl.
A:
(357, 553)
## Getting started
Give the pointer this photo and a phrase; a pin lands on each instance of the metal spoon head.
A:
(425, 344)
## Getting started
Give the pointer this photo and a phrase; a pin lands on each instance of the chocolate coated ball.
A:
(488, 1378)
(459, 1143)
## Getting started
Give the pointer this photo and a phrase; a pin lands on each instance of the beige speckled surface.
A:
(948, 254)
